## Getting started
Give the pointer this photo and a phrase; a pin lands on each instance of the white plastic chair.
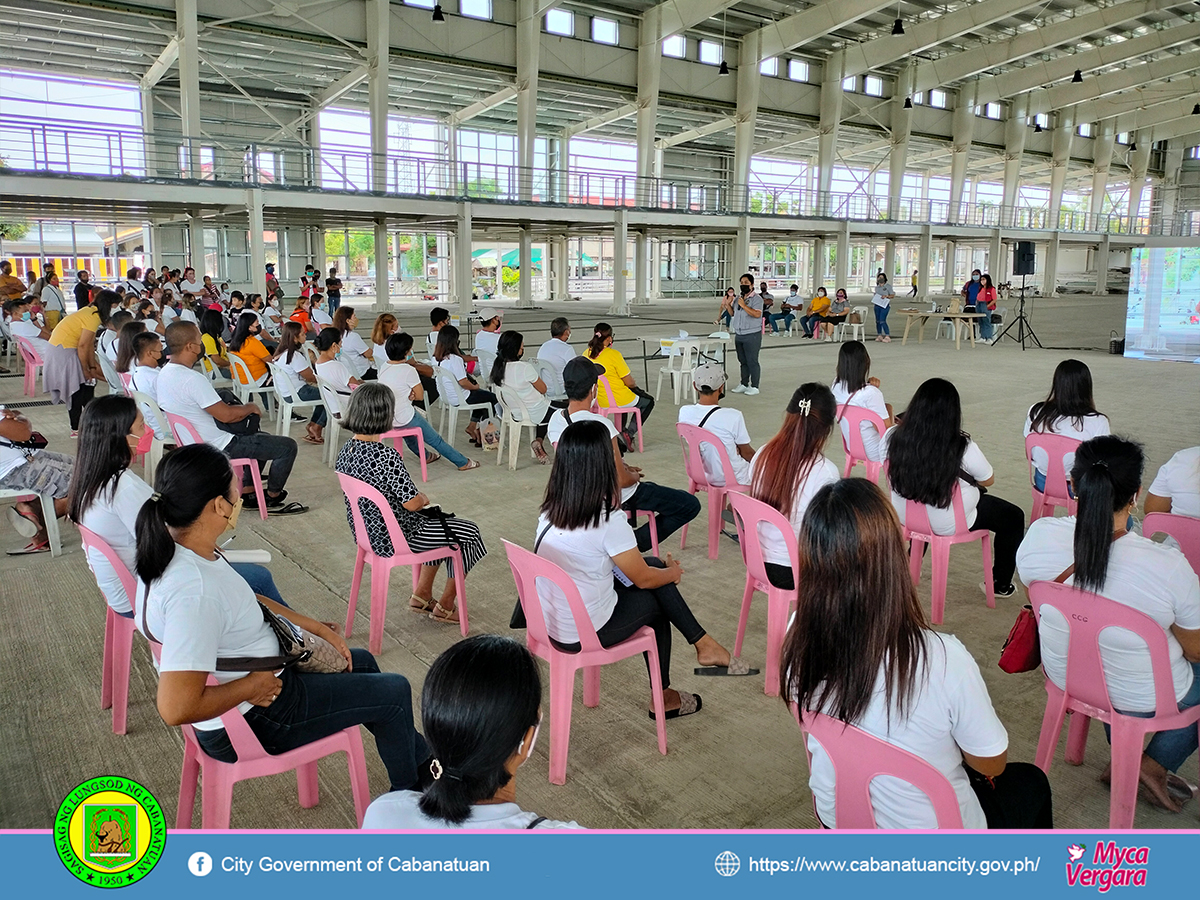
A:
(678, 367)
(452, 398)
(333, 399)
(552, 378)
(514, 418)
(154, 453)
(483, 371)
(48, 514)
(244, 385)
(286, 407)
(6, 336)
(111, 375)
(857, 329)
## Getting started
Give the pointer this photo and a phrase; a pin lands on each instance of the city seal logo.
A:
(110, 832)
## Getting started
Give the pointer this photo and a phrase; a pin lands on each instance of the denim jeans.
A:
(881, 325)
(311, 392)
(1171, 749)
(985, 323)
(1039, 482)
(310, 707)
(748, 347)
(810, 323)
(433, 440)
(725, 318)
(279, 451)
(787, 318)
(672, 507)
(260, 580)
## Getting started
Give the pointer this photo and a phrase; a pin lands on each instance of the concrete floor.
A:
(739, 764)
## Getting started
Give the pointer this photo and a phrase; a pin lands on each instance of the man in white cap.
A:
(488, 337)
(726, 423)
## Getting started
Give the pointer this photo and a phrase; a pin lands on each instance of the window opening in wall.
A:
(710, 53)
(476, 9)
(769, 67)
(797, 70)
(604, 31)
(850, 83)
(1085, 129)
(561, 22)
(937, 99)
(873, 86)
(675, 45)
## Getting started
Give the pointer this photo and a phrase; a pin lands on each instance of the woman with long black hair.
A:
(247, 346)
(583, 530)
(202, 612)
(450, 357)
(853, 385)
(1069, 410)
(524, 380)
(1095, 552)
(216, 354)
(481, 714)
(293, 362)
(859, 650)
(929, 455)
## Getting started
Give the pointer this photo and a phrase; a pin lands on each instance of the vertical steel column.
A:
(827, 135)
(748, 79)
(1060, 158)
(963, 126)
(1015, 130)
(529, 36)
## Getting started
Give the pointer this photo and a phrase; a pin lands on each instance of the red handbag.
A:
(1022, 651)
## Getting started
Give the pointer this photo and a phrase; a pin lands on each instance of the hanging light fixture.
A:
(908, 102)
(1077, 78)
(437, 14)
(1133, 147)
(1196, 110)
(724, 70)
(898, 25)
(1037, 127)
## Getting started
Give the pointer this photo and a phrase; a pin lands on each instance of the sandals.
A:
(471, 464)
(24, 525)
(432, 456)
(689, 704)
(313, 439)
(420, 604)
(539, 452)
(35, 546)
(737, 666)
(287, 509)
(443, 615)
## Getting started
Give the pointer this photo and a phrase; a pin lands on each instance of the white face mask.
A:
(532, 743)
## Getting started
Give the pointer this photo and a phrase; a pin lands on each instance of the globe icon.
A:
(728, 863)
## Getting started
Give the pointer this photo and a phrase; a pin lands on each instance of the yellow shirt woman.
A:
(616, 369)
(820, 306)
(212, 347)
(69, 330)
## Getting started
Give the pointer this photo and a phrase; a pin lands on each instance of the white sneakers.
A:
(740, 389)
(751, 391)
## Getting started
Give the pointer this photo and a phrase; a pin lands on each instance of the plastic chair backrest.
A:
(916, 515)
(527, 567)
(332, 397)
(29, 352)
(1185, 530)
(511, 401)
(92, 541)
(1088, 616)
(552, 377)
(1056, 447)
(483, 372)
(448, 386)
(146, 402)
(111, 375)
(241, 369)
(859, 758)
(611, 403)
(750, 515)
(852, 440)
(281, 380)
(356, 490)
(693, 437)
(184, 431)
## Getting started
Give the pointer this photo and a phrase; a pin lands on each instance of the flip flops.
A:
(432, 456)
(737, 667)
(42, 546)
(471, 464)
(313, 439)
(287, 509)
(22, 524)
(689, 704)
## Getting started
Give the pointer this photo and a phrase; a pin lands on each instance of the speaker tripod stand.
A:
(1021, 323)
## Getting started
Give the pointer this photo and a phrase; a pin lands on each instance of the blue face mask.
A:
(26, 316)
(974, 277)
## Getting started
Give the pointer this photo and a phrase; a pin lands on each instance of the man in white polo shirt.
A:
(557, 351)
(724, 422)
(488, 338)
(185, 392)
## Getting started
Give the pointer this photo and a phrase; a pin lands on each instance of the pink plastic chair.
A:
(527, 568)
(856, 451)
(1086, 695)
(396, 436)
(1056, 493)
(750, 514)
(254, 762)
(33, 361)
(859, 758)
(381, 566)
(185, 433)
(118, 637)
(1185, 530)
(618, 413)
(126, 381)
(653, 517)
(918, 530)
(692, 438)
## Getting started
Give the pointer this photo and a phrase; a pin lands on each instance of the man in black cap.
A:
(673, 508)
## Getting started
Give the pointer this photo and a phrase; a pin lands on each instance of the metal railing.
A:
(35, 146)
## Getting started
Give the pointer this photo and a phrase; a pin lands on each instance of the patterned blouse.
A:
(379, 465)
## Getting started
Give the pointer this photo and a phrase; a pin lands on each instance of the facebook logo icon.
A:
(200, 864)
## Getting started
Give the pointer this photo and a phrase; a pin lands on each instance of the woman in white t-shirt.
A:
(105, 497)
(882, 301)
(402, 377)
(854, 386)
(194, 604)
(481, 714)
(583, 530)
(357, 356)
(385, 326)
(1176, 487)
(1094, 551)
(789, 469)
(330, 368)
(523, 379)
(292, 361)
(449, 356)
(858, 649)
(1069, 411)
(929, 456)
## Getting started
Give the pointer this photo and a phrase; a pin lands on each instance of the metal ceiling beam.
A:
(1156, 116)
(162, 65)
(680, 15)
(926, 33)
(692, 134)
(958, 66)
(342, 86)
(481, 106)
(1042, 74)
(815, 22)
(614, 115)
(1112, 83)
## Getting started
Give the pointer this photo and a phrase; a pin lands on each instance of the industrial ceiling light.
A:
(898, 27)
(724, 70)
(908, 102)
(1132, 147)
(1196, 110)
(1077, 78)
(1037, 127)
(437, 14)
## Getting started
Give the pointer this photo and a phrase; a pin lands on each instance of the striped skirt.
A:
(431, 535)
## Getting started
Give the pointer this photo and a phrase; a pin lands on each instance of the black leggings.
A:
(1017, 798)
(1007, 521)
(660, 608)
(478, 396)
(543, 428)
(79, 400)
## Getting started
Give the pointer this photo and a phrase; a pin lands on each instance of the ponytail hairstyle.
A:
(447, 343)
(926, 449)
(508, 349)
(327, 337)
(601, 333)
(480, 699)
(291, 339)
(186, 481)
(786, 460)
(1107, 475)
(125, 351)
(853, 366)
(1070, 397)
(103, 451)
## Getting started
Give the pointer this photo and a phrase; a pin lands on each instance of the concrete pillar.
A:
(146, 97)
(196, 251)
(741, 250)
(620, 302)
(923, 256)
(1102, 254)
(1060, 158)
(189, 82)
(1102, 153)
(258, 249)
(378, 47)
(1166, 192)
(383, 292)
(655, 269)
(1050, 269)
(1015, 130)
(525, 255)
(529, 36)
(820, 261)
(641, 270)
(963, 128)
(748, 78)
(901, 125)
(889, 260)
(948, 273)
(461, 260)
(1139, 161)
(562, 284)
(827, 130)
(649, 70)
(995, 256)
(841, 265)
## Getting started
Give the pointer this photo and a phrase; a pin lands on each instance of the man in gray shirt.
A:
(747, 336)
